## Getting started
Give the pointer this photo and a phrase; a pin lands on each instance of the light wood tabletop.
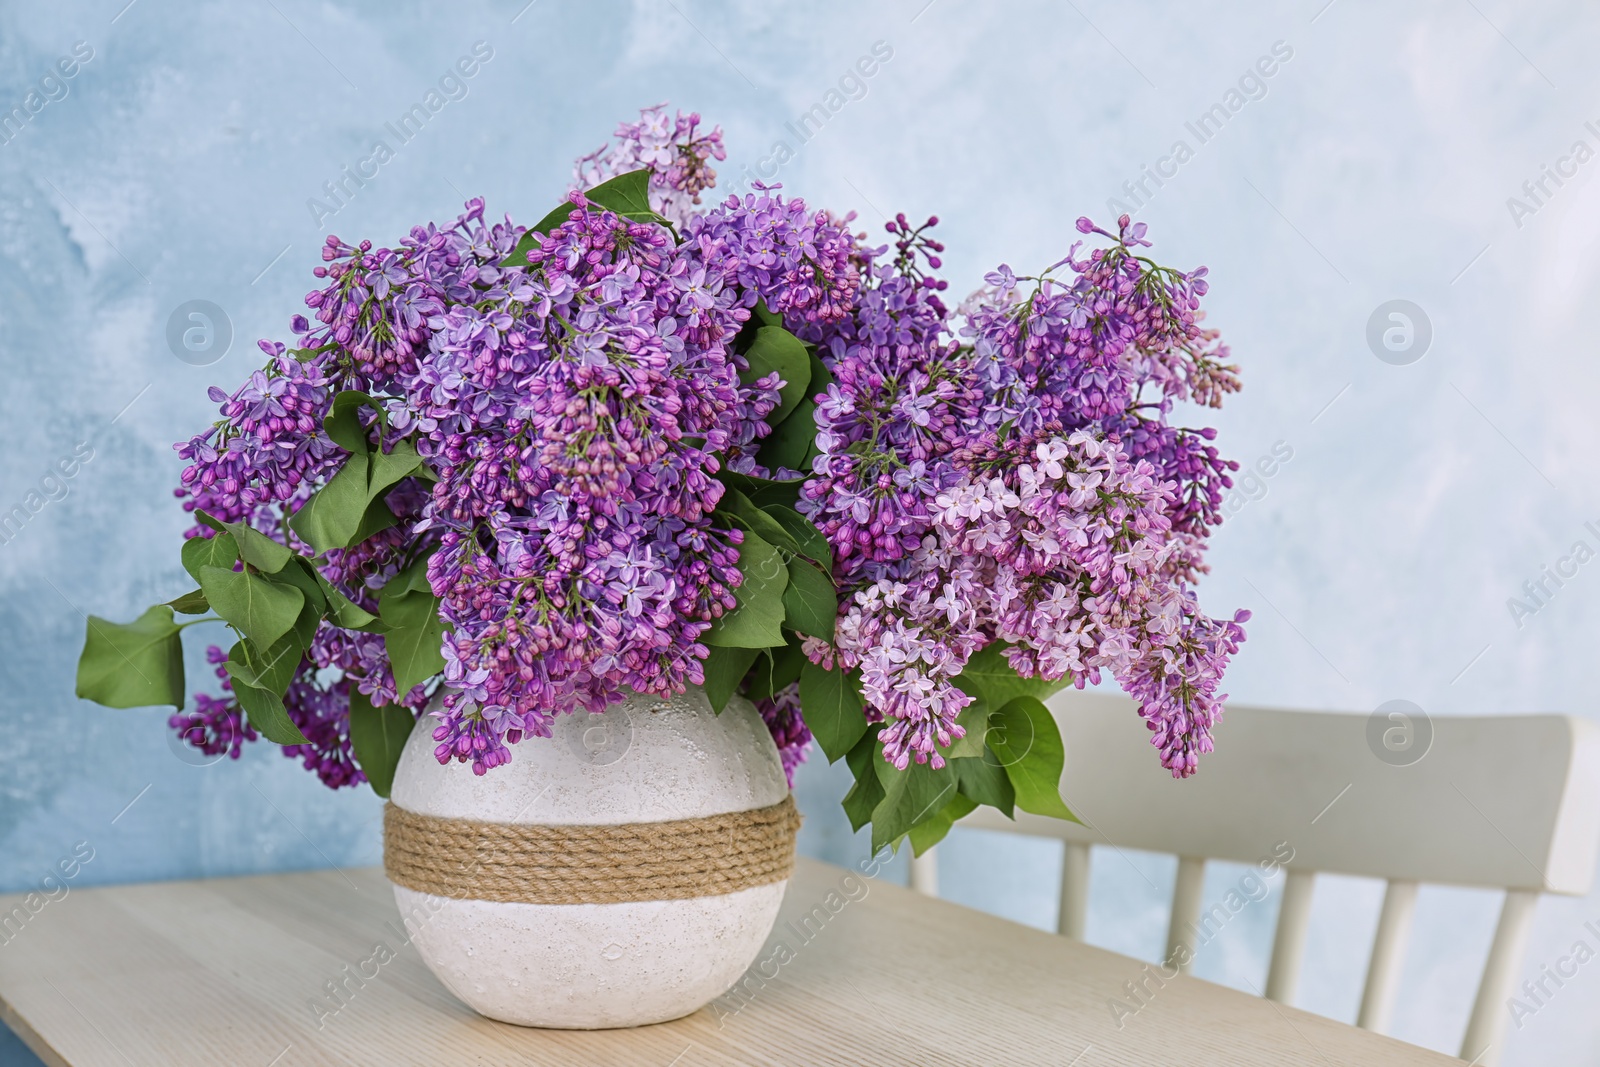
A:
(237, 972)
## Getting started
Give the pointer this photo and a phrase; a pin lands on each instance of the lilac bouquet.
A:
(507, 473)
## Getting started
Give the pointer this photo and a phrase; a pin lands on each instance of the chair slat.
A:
(1486, 1030)
(1185, 910)
(1289, 943)
(1072, 915)
(925, 872)
(1388, 956)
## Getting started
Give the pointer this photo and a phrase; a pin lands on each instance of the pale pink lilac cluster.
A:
(677, 151)
(1114, 348)
(1062, 556)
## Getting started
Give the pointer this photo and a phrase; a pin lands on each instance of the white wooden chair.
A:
(1506, 802)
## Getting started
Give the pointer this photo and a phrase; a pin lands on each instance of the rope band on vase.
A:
(533, 864)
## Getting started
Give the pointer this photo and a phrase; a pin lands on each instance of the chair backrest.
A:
(1507, 802)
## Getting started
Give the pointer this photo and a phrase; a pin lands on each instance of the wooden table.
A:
(227, 971)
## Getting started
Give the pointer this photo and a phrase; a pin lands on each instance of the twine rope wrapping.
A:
(534, 864)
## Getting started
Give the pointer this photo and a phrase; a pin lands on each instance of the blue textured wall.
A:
(1375, 163)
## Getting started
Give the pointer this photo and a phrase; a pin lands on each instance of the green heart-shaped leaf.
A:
(910, 797)
(724, 669)
(259, 609)
(384, 469)
(776, 350)
(334, 513)
(792, 444)
(984, 780)
(931, 831)
(257, 549)
(739, 510)
(810, 540)
(974, 718)
(831, 704)
(989, 676)
(1025, 739)
(271, 670)
(763, 491)
(268, 717)
(344, 612)
(219, 551)
(343, 421)
(132, 665)
(413, 632)
(810, 602)
(190, 603)
(757, 620)
(867, 792)
(377, 737)
(626, 194)
(775, 670)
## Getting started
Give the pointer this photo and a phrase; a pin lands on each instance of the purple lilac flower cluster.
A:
(267, 453)
(781, 712)
(1023, 486)
(801, 262)
(322, 713)
(578, 557)
(1005, 473)
(216, 726)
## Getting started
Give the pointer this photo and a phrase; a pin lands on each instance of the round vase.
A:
(597, 965)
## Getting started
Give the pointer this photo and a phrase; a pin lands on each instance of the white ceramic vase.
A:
(591, 966)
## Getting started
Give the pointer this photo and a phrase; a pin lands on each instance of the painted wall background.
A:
(1375, 163)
